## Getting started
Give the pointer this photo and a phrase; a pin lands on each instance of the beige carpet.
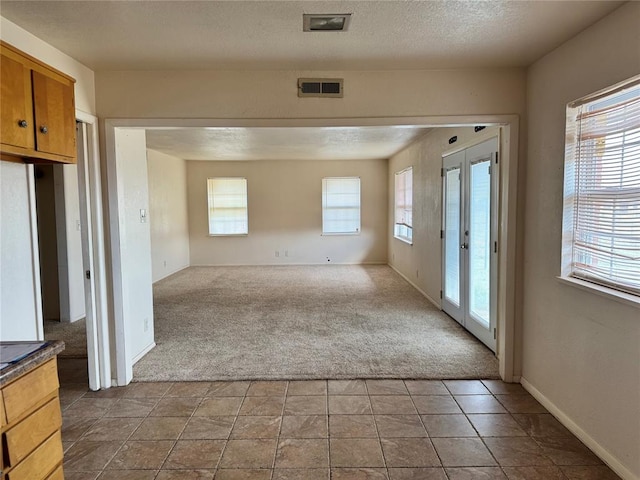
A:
(74, 336)
(302, 322)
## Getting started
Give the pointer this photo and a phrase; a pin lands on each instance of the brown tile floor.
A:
(316, 430)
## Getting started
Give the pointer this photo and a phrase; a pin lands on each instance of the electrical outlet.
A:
(277, 253)
(417, 274)
(78, 225)
(286, 253)
(143, 215)
(146, 324)
(165, 263)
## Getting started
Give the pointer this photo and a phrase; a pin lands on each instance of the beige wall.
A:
(421, 262)
(273, 94)
(581, 350)
(285, 214)
(167, 214)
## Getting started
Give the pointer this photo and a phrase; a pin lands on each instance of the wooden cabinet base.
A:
(31, 425)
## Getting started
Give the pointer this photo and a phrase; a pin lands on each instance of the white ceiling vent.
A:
(320, 87)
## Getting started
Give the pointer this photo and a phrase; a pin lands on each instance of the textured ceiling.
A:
(292, 143)
(107, 35)
(236, 34)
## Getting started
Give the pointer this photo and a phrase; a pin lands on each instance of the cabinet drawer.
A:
(58, 474)
(41, 462)
(29, 390)
(22, 439)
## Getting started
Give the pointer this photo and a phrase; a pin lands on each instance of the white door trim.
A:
(98, 345)
(508, 280)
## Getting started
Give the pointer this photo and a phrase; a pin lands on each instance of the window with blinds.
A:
(403, 224)
(227, 206)
(601, 222)
(341, 205)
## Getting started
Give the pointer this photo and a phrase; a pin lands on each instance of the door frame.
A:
(465, 204)
(507, 309)
(93, 246)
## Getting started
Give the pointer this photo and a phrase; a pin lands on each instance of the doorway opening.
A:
(120, 132)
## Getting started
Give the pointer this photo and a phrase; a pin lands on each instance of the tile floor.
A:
(316, 430)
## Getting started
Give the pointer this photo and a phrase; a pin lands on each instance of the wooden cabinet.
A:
(37, 110)
(31, 425)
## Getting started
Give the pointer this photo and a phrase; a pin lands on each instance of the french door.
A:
(469, 246)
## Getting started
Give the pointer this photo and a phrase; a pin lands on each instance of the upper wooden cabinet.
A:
(37, 109)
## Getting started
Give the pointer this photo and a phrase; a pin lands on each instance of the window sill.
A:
(602, 291)
(404, 240)
(333, 234)
(228, 235)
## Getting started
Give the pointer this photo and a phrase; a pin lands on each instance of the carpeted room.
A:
(286, 300)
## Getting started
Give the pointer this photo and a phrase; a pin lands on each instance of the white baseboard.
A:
(176, 270)
(584, 437)
(146, 350)
(284, 264)
(436, 304)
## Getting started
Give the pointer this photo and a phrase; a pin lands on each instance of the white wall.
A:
(18, 295)
(70, 263)
(581, 350)
(167, 214)
(421, 262)
(132, 254)
(285, 214)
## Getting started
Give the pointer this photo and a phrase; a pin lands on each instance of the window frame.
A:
(210, 207)
(324, 202)
(569, 274)
(399, 225)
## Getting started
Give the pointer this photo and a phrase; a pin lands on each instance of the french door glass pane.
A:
(452, 237)
(480, 242)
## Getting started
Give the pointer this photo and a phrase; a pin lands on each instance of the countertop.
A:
(31, 361)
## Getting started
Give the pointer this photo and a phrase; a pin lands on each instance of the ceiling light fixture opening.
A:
(325, 23)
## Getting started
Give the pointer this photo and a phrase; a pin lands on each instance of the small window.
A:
(227, 206)
(403, 228)
(601, 217)
(340, 205)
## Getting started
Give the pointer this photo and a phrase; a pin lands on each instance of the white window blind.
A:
(227, 206)
(341, 205)
(403, 227)
(601, 224)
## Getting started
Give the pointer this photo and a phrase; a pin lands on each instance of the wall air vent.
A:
(320, 87)
(312, 22)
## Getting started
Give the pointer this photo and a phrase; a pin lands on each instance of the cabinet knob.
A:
(44, 129)
(23, 123)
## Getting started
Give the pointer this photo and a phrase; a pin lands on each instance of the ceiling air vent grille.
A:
(320, 87)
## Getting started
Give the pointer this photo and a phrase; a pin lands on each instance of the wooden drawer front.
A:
(29, 390)
(41, 462)
(22, 439)
(58, 474)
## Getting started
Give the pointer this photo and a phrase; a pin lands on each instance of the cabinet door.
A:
(17, 109)
(54, 115)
